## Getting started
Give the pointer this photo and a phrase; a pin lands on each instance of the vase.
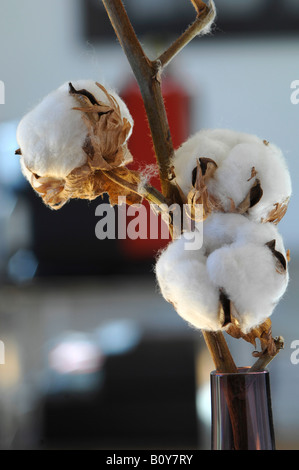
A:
(241, 411)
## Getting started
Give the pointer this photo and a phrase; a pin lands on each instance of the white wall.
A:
(41, 47)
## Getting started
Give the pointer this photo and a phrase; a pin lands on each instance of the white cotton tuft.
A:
(52, 135)
(184, 282)
(146, 174)
(248, 261)
(209, 20)
(247, 273)
(224, 229)
(241, 258)
(236, 155)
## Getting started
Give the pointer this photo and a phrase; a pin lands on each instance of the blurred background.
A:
(91, 355)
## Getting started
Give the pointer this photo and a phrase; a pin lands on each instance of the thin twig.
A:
(220, 352)
(205, 17)
(146, 191)
(266, 358)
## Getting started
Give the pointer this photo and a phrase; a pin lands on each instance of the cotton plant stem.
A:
(220, 352)
(148, 76)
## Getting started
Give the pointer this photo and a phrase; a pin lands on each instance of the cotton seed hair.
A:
(242, 261)
(69, 140)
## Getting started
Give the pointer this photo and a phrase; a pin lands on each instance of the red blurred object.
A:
(177, 103)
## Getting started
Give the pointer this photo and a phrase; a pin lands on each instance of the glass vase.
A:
(241, 411)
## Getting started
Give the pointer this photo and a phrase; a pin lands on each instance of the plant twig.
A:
(146, 191)
(220, 352)
(148, 76)
(205, 17)
(266, 358)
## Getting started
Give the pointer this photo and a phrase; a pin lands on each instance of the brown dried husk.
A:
(199, 194)
(262, 332)
(278, 212)
(107, 153)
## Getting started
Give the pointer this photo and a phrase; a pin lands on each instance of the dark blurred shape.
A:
(170, 17)
(147, 17)
(64, 241)
(146, 400)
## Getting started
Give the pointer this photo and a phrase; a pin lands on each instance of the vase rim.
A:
(241, 371)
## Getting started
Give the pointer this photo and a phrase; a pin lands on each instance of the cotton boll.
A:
(184, 282)
(70, 142)
(251, 175)
(247, 273)
(232, 181)
(211, 143)
(51, 136)
(240, 258)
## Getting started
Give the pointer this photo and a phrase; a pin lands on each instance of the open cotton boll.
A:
(250, 175)
(233, 181)
(184, 282)
(52, 135)
(249, 276)
(241, 264)
(209, 143)
(71, 138)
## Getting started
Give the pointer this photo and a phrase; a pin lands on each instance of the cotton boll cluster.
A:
(250, 175)
(240, 260)
(72, 135)
(241, 271)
